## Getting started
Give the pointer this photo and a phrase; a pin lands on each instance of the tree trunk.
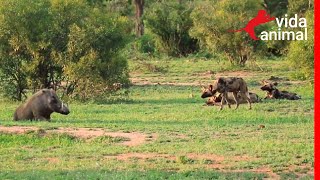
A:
(139, 12)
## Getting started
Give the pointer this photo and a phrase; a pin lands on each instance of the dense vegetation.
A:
(57, 42)
(136, 66)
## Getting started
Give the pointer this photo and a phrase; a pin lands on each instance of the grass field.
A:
(182, 139)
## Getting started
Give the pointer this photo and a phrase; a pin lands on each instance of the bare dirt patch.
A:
(150, 81)
(242, 74)
(144, 156)
(201, 78)
(52, 160)
(17, 129)
(135, 138)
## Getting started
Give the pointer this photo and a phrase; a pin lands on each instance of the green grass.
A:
(285, 145)
(105, 174)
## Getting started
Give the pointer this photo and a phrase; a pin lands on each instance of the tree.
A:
(139, 4)
(171, 22)
(44, 42)
(275, 7)
(23, 50)
(212, 22)
(301, 53)
(299, 6)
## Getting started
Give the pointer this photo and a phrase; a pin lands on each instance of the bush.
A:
(171, 22)
(44, 42)
(212, 20)
(301, 53)
(146, 44)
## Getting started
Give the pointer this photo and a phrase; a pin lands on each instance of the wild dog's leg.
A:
(227, 102)
(248, 98)
(235, 99)
(226, 98)
(222, 100)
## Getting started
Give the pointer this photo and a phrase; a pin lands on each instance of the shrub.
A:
(301, 53)
(44, 42)
(171, 22)
(212, 20)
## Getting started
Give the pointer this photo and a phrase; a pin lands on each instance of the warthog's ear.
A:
(275, 84)
(210, 87)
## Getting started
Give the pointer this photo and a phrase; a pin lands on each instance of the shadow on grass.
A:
(94, 174)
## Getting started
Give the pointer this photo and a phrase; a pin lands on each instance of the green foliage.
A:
(171, 22)
(13, 78)
(93, 47)
(301, 53)
(146, 44)
(275, 7)
(44, 42)
(123, 7)
(300, 6)
(212, 20)
(23, 36)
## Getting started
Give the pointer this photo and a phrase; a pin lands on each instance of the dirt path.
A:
(201, 78)
(135, 138)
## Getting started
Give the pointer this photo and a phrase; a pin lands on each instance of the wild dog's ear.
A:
(263, 82)
(221, 80)
(210, 87)
(275, 84)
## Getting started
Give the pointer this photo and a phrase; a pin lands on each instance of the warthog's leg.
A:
(235, 99)
(42, 117)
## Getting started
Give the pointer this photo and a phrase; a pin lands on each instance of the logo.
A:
(289, 23)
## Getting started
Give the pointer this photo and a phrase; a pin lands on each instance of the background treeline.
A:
(83, 46)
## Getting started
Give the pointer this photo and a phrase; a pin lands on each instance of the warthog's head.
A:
(55, 104)
(208, 92)
(268, 86)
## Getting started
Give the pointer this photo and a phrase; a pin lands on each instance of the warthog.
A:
(230, 84)
(274, 93)
(216, 99)
(40, 106)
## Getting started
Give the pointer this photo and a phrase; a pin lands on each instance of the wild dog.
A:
(225, 85)
(216, 99)
(274, 93)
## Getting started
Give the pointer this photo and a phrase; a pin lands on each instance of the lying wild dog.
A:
(216, 99)
(274, 93)
(230, 84)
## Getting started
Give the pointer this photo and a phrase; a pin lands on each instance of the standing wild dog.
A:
(274, 93)
(230, 84)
